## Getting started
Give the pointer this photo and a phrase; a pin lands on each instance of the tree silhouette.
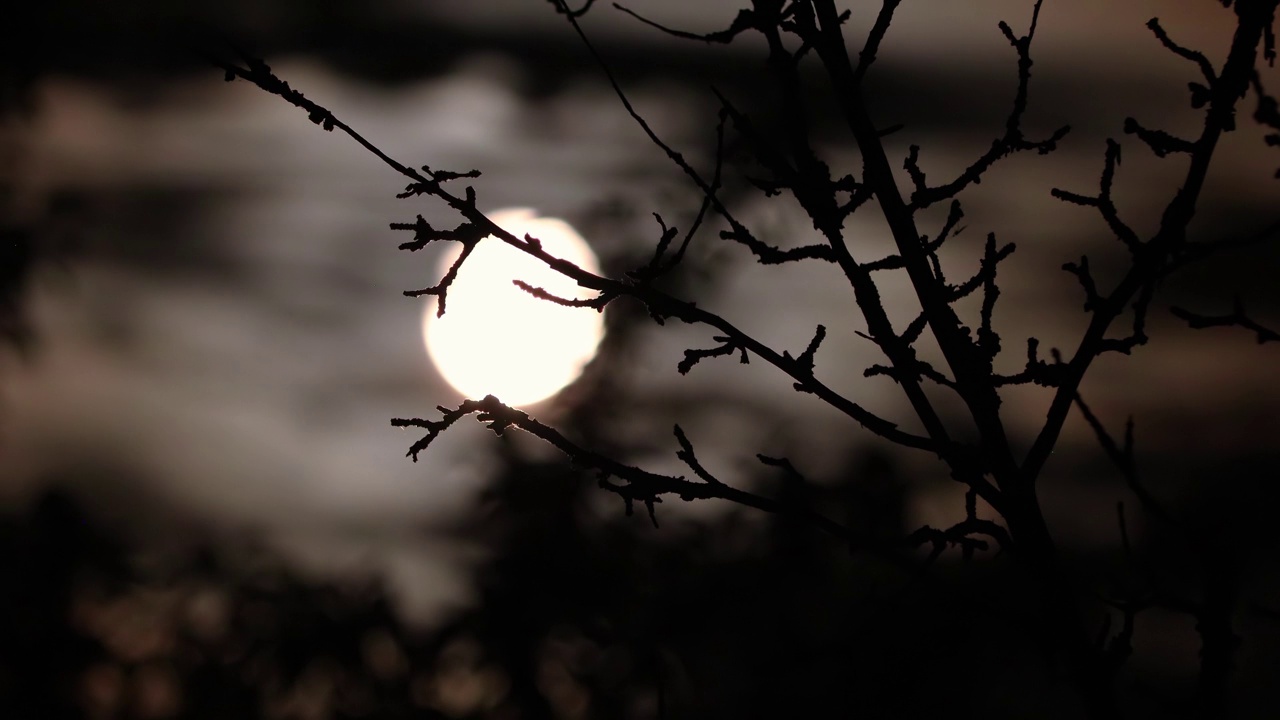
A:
(867, 620)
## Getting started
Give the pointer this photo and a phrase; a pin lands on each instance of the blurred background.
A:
(208, 515)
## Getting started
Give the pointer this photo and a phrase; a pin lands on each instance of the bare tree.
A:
(988, 466)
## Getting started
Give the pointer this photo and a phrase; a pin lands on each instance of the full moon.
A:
(496, 339)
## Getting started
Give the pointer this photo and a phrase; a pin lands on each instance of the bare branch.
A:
(1036, 371)
(1160, 142)
(1206, 68)
(960, 535)
(726, 347)
(656, 267)
(986, 271)
(1082, 273)
(633, 484)
(805, 359)
(739, 231)
(986, 466)
(424, 234)
(660, 305)
(889, 262)
(988, 338)
(1236, 318)
(788, 177)
(1267, 113)
(1194, 251)
(914, 329)
(867, 55)
(918, 369)
(563, 8)
(441, 289)
(1012, 141)
(1151, 261)
(687, 456)
(788, 470)
(1122, 456)
(598, 302)
(1138, 335)
(745, 20)
(1103, 202)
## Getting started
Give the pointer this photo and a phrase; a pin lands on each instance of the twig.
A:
(1206, 68)
(1012, 141)
(1103, 202)
(633, 484)
(1236, 318)
(766, 253)
(660, 304)
(1151, 260)
(1123, 458)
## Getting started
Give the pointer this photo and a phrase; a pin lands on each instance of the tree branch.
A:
(1236, 318)
(1149, 263)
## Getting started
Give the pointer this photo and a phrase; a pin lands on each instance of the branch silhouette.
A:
(986, 462)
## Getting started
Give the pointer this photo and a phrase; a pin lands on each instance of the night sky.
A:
(220, 336)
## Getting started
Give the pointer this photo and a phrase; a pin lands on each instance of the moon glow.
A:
(496, 339)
